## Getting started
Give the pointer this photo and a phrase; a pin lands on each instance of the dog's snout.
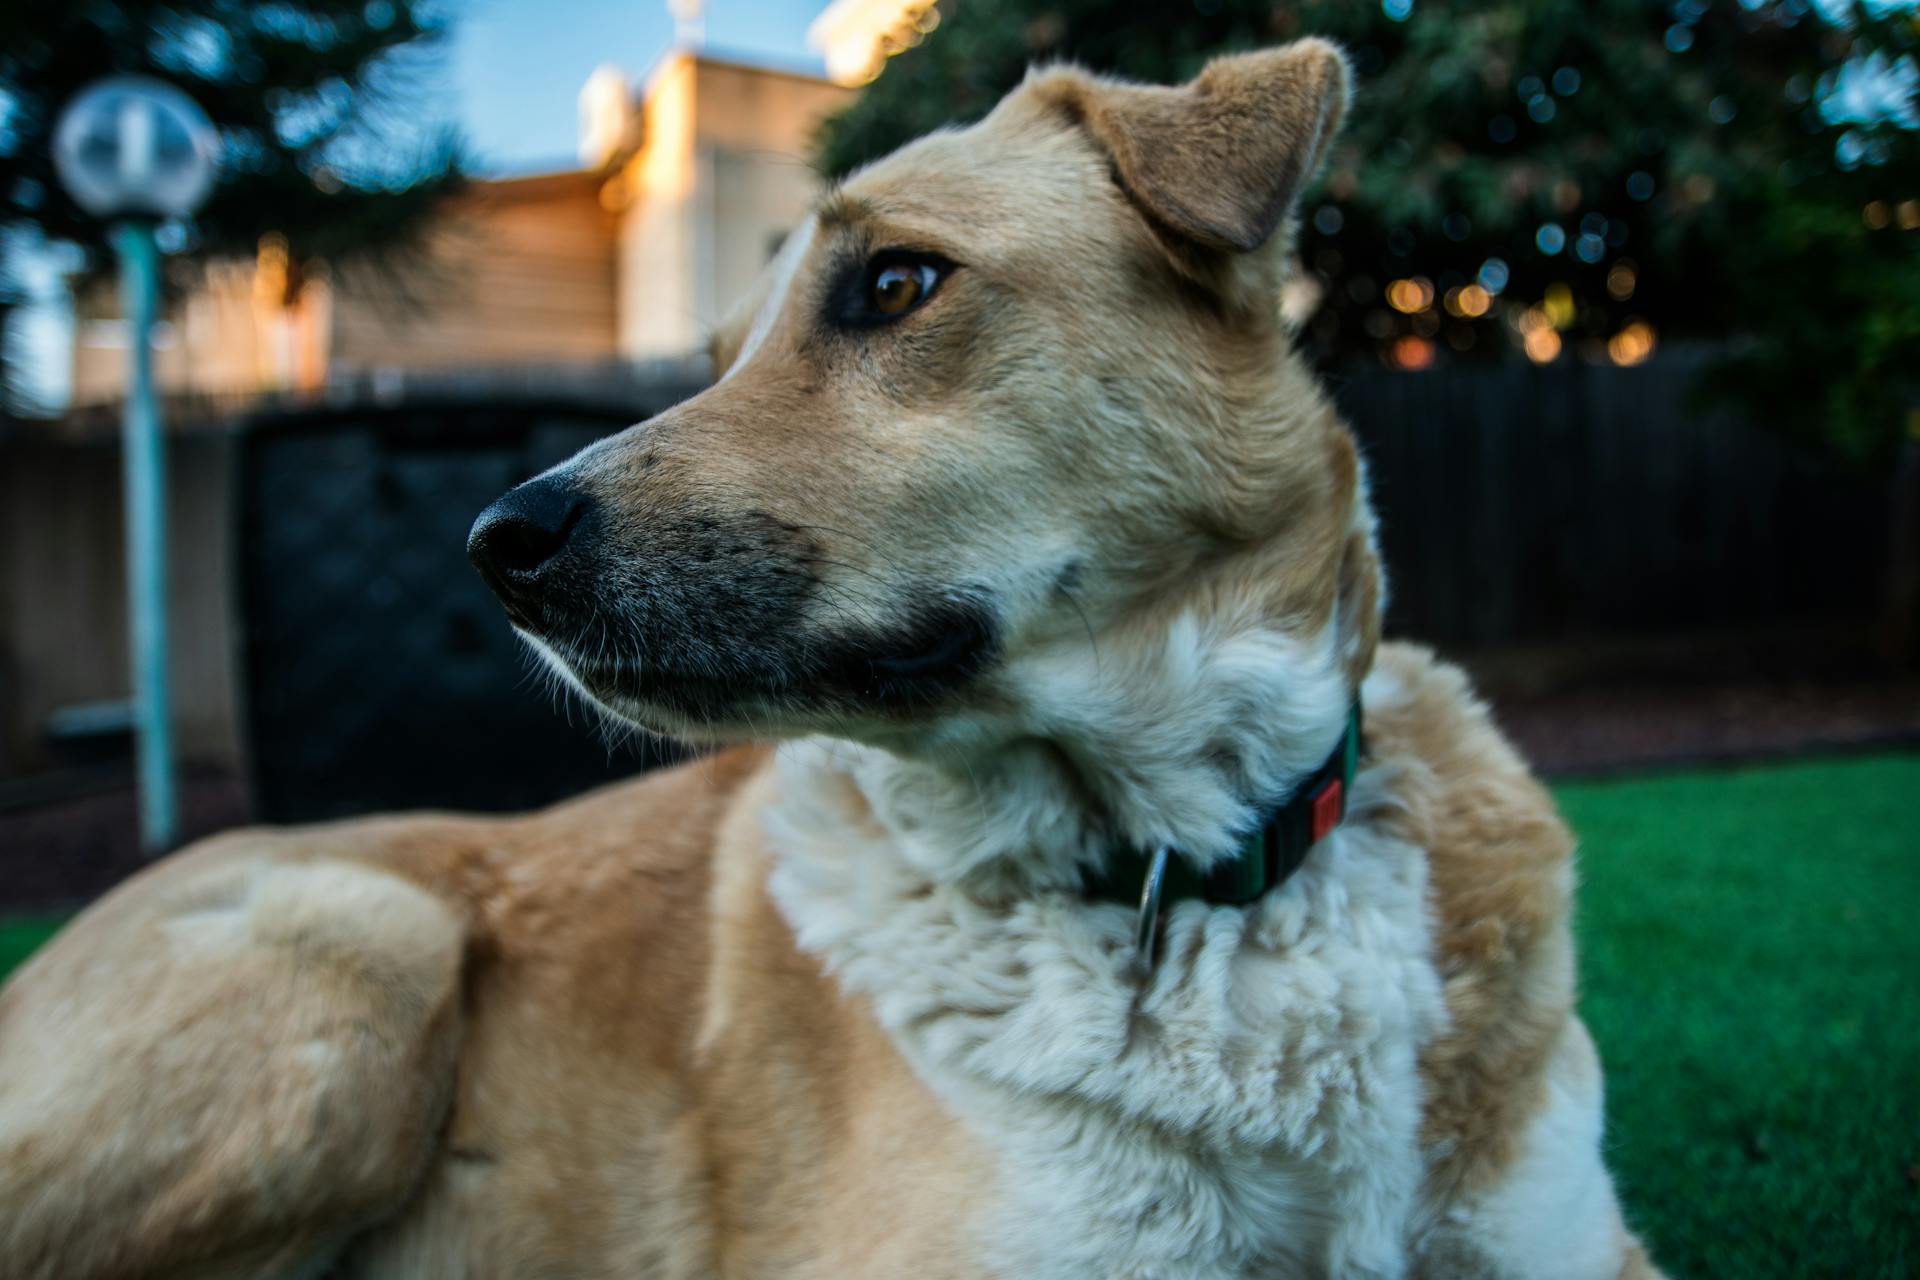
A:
(521, 536)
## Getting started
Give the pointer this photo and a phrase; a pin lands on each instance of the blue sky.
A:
(515, 67)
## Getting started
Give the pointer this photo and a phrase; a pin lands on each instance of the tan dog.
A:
(1015, 516)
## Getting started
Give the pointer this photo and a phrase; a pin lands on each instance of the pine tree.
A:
(1566, 178)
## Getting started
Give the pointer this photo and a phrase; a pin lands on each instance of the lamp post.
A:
(134, 152)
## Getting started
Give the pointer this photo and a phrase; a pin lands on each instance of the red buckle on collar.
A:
(1329, 804)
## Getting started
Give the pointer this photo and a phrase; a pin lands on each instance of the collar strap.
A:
(1270, 855)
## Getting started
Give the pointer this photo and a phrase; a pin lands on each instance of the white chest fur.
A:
(1251, 1109)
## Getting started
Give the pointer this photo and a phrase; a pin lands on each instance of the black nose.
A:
(517, 541)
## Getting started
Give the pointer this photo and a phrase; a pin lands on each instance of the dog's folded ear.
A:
(1220, 160)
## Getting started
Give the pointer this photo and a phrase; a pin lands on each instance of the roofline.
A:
(741, 61)
(707, 56)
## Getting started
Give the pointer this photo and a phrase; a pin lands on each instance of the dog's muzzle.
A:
(697, 611)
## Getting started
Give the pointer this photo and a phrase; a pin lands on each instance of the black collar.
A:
(1156, 879)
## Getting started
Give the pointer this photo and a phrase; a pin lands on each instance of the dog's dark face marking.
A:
(708, 615)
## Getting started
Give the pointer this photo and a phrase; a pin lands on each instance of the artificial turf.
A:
(19, 938)
(1751, 957)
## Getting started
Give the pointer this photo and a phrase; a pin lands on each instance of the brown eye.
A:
(897, 289)
(888, 286)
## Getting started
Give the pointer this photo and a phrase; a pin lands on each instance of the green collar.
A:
(1154, 880)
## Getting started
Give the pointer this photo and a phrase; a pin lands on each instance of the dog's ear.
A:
(1219, 161)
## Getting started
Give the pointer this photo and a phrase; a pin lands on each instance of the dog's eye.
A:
(897, 288)
(897, 283)
(891, 284)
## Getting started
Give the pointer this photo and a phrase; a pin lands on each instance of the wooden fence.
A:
(1523, 503)
(63, 592)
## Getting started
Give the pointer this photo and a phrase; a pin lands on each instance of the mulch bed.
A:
(80, 836)
(1600, 731)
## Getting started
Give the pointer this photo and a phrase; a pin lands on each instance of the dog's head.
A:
(1018, 395)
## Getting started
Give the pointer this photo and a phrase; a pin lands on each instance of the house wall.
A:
(224, 338)
(723, 174)
(520, 272)
(662, 257)
(757, 128)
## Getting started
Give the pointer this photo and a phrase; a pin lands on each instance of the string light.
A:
(1468, 302)
(1633, 344)
(1558, 305)
(1410, 296)
(1413, 353)
(1622, 278)
(1538, 338)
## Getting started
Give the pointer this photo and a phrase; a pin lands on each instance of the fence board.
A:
(1519, 503)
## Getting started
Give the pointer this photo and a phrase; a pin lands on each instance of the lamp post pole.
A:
(133, 152)
(144, 477)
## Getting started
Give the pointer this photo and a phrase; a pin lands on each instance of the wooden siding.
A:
(523, 271)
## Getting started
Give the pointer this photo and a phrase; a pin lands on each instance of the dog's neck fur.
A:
(1185, 741)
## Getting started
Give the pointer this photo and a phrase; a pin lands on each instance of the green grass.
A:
(19, 939)
(1751, 953)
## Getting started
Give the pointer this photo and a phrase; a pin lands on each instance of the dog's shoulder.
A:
(256, 1050)
(1500, 885)
(634, 857)
(1497, 846)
